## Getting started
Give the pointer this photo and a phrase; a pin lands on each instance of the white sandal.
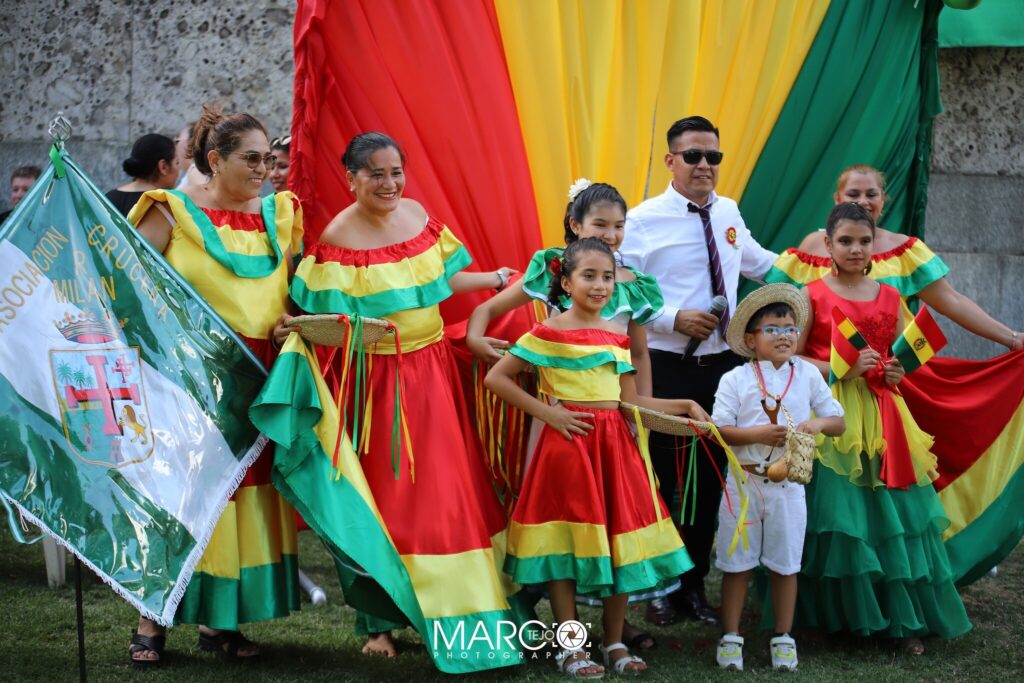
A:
(620, 664)
(570, 667)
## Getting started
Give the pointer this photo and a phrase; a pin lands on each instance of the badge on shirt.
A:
(730, 237)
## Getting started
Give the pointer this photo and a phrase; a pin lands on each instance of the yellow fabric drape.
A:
(966, 498)
(597, 83)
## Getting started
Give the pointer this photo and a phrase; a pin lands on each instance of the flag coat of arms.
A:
(919, 341)
(123, 396)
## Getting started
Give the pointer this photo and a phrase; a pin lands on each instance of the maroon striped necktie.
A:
(714, 261)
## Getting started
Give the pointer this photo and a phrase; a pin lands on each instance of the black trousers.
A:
(695, 378)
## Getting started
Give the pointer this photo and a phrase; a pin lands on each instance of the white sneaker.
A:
(783, 653)
(730, 652)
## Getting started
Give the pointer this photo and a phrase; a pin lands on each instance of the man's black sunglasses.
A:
(693, 156)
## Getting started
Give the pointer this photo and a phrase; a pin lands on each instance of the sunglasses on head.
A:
(253, 159)
(283, 141)
(693, 156)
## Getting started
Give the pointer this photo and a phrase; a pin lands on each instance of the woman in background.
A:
(153, 165)
(279, 174)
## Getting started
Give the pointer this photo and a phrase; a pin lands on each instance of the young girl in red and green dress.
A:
(588, 520)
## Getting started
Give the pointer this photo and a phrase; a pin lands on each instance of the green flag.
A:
(123, 396)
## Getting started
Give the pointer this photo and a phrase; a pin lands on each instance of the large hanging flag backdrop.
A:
(501, 104)
(123, 396)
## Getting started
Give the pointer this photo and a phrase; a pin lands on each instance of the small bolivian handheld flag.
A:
(920, 340)
(846, 345)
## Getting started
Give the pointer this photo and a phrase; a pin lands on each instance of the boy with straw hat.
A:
(765, 328)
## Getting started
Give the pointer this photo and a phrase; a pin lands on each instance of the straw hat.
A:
(327, 329)
(662, 422)
(769, 294)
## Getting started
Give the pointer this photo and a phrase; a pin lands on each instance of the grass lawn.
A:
(38, 641)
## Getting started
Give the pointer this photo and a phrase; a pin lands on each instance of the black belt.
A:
(700, 361)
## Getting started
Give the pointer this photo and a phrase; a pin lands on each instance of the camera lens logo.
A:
(571, 635)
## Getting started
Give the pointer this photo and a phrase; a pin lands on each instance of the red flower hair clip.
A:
(556, 266)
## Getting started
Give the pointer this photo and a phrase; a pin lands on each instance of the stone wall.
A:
(975, 218)
(122, 68)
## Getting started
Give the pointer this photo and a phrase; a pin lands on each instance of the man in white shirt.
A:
(696, 244)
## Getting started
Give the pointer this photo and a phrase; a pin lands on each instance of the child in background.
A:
(752, 404)
(588, 520)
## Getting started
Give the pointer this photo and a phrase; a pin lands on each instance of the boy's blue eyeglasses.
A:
(776, 331)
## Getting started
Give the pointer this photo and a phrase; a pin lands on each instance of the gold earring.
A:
(867, 268)
(835, 269)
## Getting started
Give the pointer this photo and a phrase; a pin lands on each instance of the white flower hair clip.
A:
(577, 187)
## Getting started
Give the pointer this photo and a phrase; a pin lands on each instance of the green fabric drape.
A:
(867, 93)
(993, 23)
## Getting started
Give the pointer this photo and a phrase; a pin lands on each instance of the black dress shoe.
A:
(694, 605)
(660, 612)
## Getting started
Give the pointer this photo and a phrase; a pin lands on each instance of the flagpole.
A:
(60, 130)
(81, 619)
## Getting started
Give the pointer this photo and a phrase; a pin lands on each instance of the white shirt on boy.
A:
(738, 401)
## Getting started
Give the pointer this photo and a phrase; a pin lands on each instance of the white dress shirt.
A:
(665, 239)
(738, 401)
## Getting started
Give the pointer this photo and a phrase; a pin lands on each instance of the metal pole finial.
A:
(60, 129)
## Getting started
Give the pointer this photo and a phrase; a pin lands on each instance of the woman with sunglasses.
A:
(211, 233)
(994, 387)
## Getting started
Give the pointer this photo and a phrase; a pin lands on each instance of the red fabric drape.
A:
(954, 400)
(433, 76)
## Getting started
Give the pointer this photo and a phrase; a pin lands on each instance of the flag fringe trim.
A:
(224, 496)
(185, 576)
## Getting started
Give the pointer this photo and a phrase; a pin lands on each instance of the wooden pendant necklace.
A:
(773, 412)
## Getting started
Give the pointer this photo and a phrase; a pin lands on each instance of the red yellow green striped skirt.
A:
(249, 571)
(440, 508)
(587, 513)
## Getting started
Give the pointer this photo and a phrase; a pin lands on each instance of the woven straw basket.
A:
(799, 456)
(329, 330)
(797, 461)
(665, 424)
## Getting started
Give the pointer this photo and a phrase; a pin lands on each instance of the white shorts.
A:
(776, 522)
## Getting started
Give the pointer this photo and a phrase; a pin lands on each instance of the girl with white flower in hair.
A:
(594, 210)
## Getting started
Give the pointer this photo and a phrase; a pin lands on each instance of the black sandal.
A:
(642, 640)
(141, 643)
(227, 643)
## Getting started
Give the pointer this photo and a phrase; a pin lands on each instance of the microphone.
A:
(718, 306)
